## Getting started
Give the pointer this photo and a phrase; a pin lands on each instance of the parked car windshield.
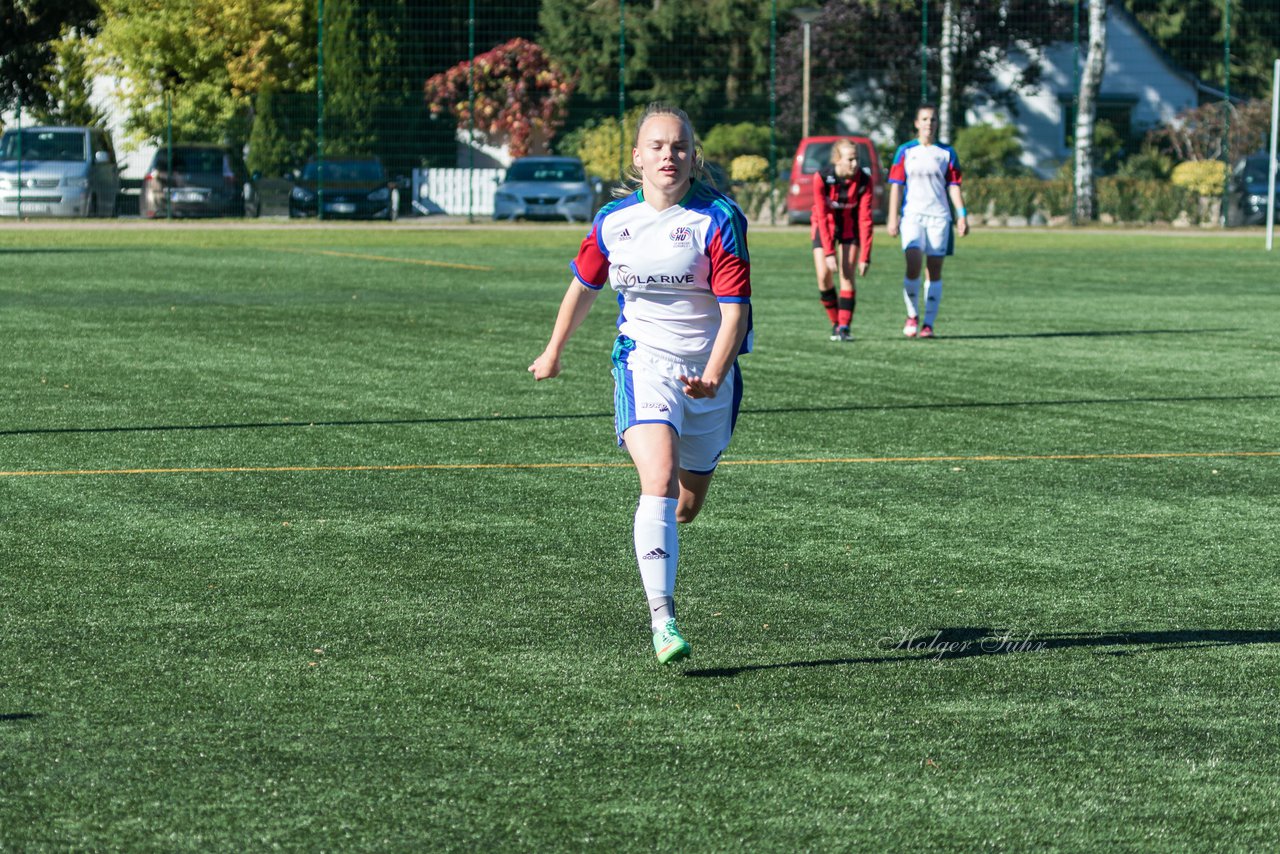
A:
(44, 145)
(191, 159)
(1255, 170)
(344, 170)
(542, 170)
(818, 154)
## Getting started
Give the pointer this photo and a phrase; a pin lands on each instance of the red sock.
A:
(829, 303)
(848, 299)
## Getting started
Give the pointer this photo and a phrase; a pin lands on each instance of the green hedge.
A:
(1126, 200)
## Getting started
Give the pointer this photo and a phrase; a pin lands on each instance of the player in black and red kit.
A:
(841, 230)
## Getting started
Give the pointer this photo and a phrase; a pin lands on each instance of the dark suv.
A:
(1247, 198)
(205, 180)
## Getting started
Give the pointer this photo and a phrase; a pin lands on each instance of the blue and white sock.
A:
(657, 552)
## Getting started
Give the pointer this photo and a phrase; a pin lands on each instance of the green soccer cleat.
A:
(668, 643)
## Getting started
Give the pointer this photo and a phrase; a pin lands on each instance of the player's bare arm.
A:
(895, 206)
(957, 199)
(577, 301)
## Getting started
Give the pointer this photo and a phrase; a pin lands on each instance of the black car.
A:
(205, 180)
(1247, 202)
(353, 188)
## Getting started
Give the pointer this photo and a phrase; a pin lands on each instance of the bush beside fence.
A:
(1135, 201)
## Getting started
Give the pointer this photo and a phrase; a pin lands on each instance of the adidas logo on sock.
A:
(656, 554)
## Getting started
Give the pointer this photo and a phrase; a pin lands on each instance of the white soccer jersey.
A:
(925, 171)
(670, 268)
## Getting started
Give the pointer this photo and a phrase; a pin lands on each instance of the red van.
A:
(812, 153)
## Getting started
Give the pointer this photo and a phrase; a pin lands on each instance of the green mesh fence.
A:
(444, 93)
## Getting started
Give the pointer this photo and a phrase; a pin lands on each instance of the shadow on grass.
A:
(1088, 334)
(18, 716)
(868, 407)
(954, 643)
(68, 251)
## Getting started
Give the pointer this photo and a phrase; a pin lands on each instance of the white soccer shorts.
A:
(930, 234)
(646, 391)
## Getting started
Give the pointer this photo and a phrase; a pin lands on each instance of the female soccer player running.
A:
(675, 250)
(841, 231)
(927, 172)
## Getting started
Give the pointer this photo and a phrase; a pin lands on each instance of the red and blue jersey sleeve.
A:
(591, 267)
(727, 250)
(953, 167)
(898, 169)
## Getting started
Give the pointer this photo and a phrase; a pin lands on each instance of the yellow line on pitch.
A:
(983, 458)
(362, 257)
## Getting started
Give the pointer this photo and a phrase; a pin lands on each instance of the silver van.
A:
(58, 171)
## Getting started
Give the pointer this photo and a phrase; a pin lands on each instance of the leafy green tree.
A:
(725, 142)
(710, 58)
(871, 49)
(29, 30)
(1191, 31)
(208, 58)
(69, 84)
(987, 151)
(284, 131)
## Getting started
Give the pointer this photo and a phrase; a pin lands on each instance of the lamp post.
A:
(807, 15)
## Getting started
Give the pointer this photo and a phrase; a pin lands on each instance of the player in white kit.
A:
(923, 175)
(675, 251)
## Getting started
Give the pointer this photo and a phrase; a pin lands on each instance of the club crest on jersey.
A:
(682, 237)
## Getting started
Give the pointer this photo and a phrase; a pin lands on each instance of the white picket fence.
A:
(457, 192)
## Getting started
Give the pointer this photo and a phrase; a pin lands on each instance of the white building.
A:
(1142, 87)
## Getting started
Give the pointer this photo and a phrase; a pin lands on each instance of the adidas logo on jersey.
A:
(656, 554)
(626, 234)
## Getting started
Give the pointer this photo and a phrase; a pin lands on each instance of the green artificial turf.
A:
(296, 555)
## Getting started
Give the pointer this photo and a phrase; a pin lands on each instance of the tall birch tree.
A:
(1087, 110)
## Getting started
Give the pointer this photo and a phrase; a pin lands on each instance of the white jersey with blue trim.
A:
(670, 268)
(925, 171)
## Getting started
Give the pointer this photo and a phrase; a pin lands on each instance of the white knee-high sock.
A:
(932, 299)
(911, 294)
(657, 551)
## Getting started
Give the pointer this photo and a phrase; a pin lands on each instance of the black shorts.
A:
(817, 242)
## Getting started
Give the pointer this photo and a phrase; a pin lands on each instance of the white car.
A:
(58, 171)
(546, 188)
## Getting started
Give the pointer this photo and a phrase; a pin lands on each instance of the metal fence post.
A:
(320, 111)
(1075, 97)
(773, 112)
(622, 89)
(1226, 106)
(471, 111)
(924, 52)
(18, 211)
(1271, 164)
(168, 139)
